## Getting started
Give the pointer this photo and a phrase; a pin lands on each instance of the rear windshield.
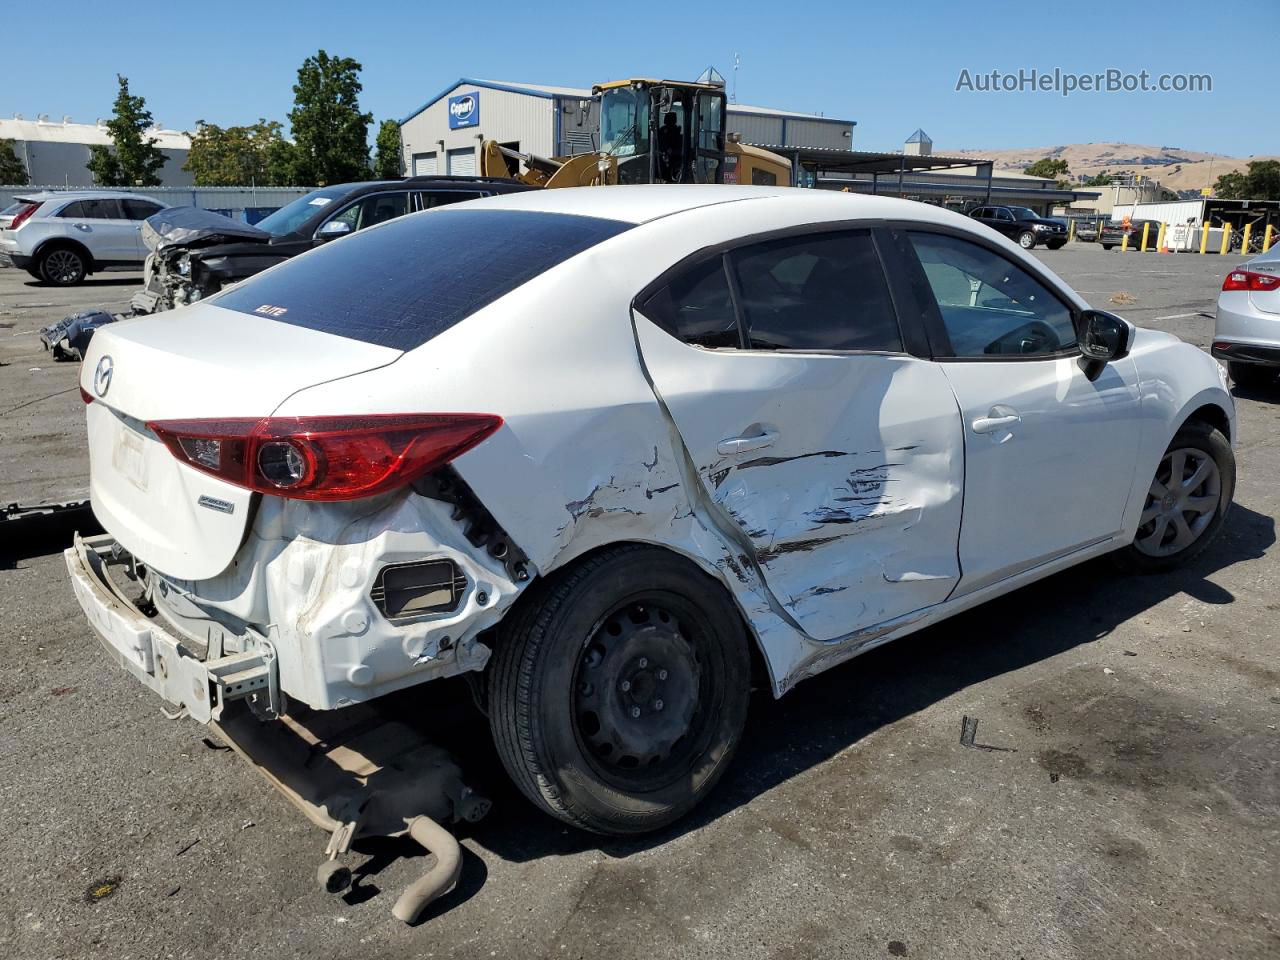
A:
(402, 283)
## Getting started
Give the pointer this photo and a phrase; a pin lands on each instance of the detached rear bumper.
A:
(153, 655)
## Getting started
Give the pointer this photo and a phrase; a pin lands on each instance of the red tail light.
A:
(325, 458)
(23, 215)
(1248, 280)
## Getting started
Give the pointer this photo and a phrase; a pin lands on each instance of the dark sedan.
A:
(1113, 233)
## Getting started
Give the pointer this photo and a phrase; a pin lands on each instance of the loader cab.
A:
(659, 131)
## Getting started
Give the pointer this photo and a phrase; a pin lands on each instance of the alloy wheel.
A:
(63, 266)
(1181, 503)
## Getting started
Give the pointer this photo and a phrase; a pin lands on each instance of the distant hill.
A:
(1175, 168)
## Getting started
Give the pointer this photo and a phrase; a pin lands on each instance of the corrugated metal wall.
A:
(754, 128)
(235, 199)
(65, 164)
(1176, 211)
(817, 133)
(504, 116)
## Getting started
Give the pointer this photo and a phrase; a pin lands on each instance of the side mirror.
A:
(1102, 337)
(334, 228)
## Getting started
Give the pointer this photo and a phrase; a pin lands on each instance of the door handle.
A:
(82, 226)
(745, 444)
(996, 420)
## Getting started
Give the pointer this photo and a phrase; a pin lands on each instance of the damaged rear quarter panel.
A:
(585, 457)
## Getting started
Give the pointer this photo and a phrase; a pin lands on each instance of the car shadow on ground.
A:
(124, 280)
(786, 737)
(1266, 393)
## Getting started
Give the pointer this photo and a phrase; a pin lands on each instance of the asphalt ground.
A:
(1129, 807)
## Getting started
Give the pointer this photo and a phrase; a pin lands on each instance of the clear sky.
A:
(892, 67)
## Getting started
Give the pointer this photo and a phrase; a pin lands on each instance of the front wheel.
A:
(1027, 239)
(618, 692)
(1107, 246)
(1057, 245)
(1186, 503)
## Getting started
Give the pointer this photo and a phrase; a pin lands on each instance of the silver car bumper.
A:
(1243, 333)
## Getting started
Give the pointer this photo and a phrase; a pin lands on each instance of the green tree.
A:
(133, 158)
(1261, 181)
(1050, 168)
(238, 156)
(1102, 179)
(12, 170)
(1231, 186)
(330, 134)
(386, 160)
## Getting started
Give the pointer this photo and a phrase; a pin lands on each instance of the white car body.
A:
(841, 498)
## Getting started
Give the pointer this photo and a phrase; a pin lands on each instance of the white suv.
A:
(60, 237)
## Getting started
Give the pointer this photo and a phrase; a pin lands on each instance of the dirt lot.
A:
(1134, 810)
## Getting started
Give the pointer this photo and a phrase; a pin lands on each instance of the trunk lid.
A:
(198, 362)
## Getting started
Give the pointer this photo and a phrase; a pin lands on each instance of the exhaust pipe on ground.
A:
(437, 881)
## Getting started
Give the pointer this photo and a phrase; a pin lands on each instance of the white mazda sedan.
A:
(617, 452)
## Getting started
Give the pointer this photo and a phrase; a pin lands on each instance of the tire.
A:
(578, 681)
(1107, 246)
(1251, 374)
(1155, 547)
(1027, 239)
(62, 266)
(1057, 245)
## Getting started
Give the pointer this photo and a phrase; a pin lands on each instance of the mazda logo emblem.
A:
(102, 376)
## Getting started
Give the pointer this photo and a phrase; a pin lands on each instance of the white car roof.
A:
(643, 203)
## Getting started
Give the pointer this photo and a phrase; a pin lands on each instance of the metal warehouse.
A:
(56, 152)
(443, 135)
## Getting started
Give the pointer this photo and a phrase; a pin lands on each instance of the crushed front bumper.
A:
(155, 656)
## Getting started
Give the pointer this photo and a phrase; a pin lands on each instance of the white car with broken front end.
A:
(620, 454)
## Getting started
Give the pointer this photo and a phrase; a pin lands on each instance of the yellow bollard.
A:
(1204, 237)
(1071, 230)
(1124, 244)
(1266, 238)
(1146, 229)
(1226, 239)
(1244, 239)
(1160, 244)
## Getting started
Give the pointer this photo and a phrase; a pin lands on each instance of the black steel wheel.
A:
(619, 689)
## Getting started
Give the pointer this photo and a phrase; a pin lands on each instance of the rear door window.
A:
(73, 210)
(821, 291)
(403, 283)
(101, 209)
(140, 209)
(438, 198)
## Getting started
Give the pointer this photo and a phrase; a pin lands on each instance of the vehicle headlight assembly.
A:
(1041, 226)
(184, 265)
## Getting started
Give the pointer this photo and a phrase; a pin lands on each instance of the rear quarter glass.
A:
(404, 282)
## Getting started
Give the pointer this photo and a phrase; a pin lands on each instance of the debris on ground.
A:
(102, 889)
(969, 730)
(1123, 298)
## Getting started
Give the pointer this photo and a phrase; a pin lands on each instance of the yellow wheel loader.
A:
(650, 131)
